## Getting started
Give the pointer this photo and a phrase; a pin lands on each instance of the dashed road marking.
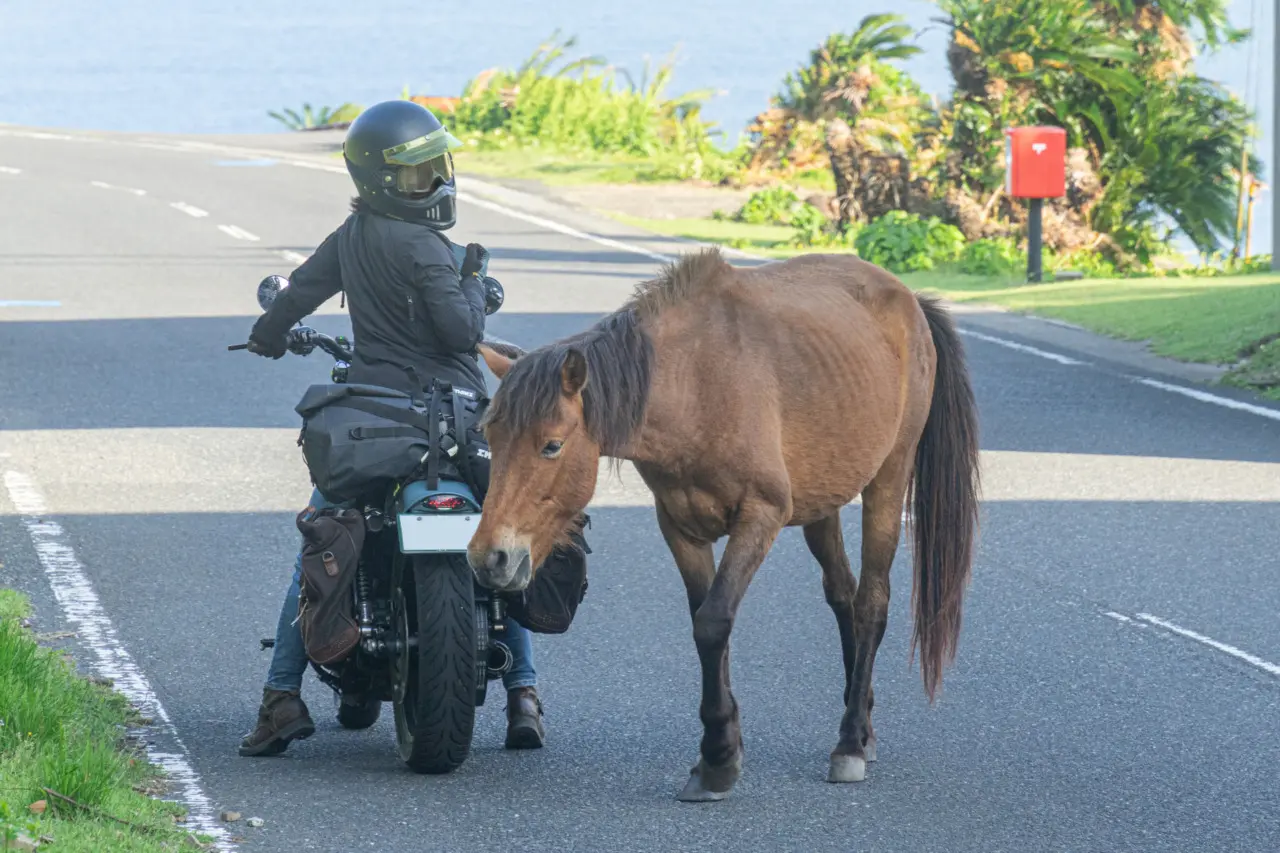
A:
(188, 209)
(106, 186)
(238, 232)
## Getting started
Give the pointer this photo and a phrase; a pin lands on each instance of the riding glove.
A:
(474, 261)
(265, 343)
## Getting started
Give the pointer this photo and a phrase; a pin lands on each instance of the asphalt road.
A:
(1071, 722)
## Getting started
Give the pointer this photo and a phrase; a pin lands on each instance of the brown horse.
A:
(752, 399)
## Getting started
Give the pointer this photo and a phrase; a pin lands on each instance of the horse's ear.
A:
(573, 374)
(496, 361)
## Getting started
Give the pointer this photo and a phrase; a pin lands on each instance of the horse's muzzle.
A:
(503, 569)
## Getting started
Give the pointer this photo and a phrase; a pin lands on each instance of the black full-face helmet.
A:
(398, 155)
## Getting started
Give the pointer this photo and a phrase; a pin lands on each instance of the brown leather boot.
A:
(524, 719)
(282, 716)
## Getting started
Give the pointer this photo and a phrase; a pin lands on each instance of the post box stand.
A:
(1036, 169)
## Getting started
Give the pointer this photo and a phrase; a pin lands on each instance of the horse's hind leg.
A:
(825, 539)
(882, 502)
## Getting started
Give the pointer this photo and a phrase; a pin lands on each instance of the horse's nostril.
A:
(496, 561)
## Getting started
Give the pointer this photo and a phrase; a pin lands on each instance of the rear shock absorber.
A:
(365, 610)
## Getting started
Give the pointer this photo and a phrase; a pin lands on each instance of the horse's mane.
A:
(619, 356)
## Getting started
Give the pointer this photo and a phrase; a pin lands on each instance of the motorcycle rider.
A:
(415, 317)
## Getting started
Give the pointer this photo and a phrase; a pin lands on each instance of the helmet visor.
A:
(424, 148)
(424, 177)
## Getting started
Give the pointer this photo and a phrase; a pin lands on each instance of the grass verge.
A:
(556, 168)
(1232, 320)
(771, 241)
(564, 168)
(61, 731)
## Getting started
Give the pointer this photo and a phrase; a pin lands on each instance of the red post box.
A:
(1036, 160)
(1036, 169)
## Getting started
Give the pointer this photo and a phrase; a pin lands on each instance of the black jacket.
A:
(412, 318)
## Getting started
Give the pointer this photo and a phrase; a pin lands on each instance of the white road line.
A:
(293, 257)
(565, 229)
(106, 186)
(10, 170)
(189, 210)
(1051, 356)
(1204, 397)
(320, 167)
(80, 606)
(1253, 660)
(237, 232)
(34, 134)
(1119, 617)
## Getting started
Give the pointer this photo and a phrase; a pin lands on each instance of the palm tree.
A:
(862, 104)
(1175, 153)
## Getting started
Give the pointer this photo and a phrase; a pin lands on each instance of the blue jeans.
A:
(289, 660)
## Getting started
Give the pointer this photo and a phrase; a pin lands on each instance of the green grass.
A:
(63, 732)
(1211, 320)
(1207, 320)
(770, 241)
(559, 168)
(563, 168)
(13, 605)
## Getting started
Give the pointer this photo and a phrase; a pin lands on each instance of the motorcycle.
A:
(431, 638)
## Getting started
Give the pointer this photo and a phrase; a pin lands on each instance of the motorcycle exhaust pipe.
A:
(500, 660)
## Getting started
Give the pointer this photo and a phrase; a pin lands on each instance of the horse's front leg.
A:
(720, 762)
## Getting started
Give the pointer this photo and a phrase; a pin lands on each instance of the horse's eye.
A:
(552, 449)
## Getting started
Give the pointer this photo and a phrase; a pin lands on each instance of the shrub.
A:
(997, 256)
(770, 206)
(580, 107)
(1092, 264)
(903, 242)
(813, 228)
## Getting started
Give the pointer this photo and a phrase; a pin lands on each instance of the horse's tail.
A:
(944, 502)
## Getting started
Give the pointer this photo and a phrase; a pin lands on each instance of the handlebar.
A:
(302, 340)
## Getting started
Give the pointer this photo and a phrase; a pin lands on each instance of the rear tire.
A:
(436, 717)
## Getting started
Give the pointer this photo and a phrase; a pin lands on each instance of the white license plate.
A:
(436, 534)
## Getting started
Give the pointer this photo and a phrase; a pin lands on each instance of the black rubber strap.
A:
(460, 437)
(433, 451)
(382, 410)
(361, 433)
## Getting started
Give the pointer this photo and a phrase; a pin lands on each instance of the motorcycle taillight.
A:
(446, 502)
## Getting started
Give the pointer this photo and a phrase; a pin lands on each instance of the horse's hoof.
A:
(710, 784)
(869, 748)
(694, 793)
(847, 768)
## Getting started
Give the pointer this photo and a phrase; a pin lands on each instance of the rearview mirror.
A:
(494, 295)
(269, 288)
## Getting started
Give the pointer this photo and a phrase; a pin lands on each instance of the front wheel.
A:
(435, 698)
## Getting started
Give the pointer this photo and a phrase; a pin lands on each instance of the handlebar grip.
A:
(236, 347)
